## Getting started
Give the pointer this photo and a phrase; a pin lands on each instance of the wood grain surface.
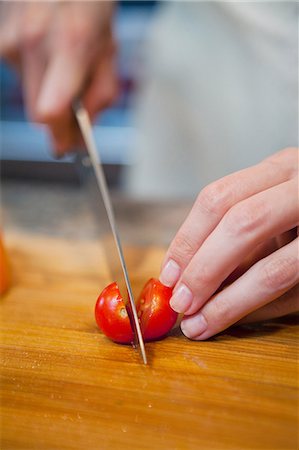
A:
(65, 386)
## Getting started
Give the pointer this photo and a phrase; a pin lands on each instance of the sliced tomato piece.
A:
(154, 311)
(112, 317)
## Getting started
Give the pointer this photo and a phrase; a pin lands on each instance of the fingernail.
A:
(170, 273)
(181, 299)
(193, 327)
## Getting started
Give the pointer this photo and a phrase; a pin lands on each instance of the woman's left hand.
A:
(236, 256)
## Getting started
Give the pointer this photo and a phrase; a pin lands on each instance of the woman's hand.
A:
(236, 256)
(62, 50)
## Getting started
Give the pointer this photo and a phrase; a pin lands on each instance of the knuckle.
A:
(106, 98)
(182, 247)
(280, 273)
(32, 37)
(221, 310)
(205, 277)
(246, 217)
(290, 151)
(197, 280)
(221, 313)
(293, 151)
(215, 197)
(286, 159)
(78, 35)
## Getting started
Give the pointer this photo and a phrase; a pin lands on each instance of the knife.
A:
(115, 254)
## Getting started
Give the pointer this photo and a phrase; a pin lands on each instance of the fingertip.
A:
(170, 273)
(195, 327)
(181, 299)
(61, 143)
(59, 149)
(49, 107)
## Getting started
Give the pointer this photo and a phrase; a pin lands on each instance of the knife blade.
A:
(115, 254)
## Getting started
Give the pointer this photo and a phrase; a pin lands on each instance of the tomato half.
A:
(112, 317)
(154, 312)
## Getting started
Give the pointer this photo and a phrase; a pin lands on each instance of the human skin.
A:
(236, 256)
(61, 50)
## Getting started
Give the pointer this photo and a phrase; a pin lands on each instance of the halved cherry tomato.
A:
(112, 317)
(154, 312)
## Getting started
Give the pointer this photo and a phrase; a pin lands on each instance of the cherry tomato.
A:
(154, 312)
(112, 317)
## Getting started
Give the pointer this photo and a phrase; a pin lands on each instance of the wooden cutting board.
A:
(65, 386)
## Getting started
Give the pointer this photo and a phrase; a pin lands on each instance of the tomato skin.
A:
(111, 315)
(154, 311)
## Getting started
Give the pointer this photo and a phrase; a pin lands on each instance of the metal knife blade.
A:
(115, 254)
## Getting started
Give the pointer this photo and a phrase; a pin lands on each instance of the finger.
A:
(33, 68)
(10, 28)
(61, 123)
(100, 92)
(35, 53)
(261, 251)
(264, 282)
(103, 88)
(287, 237)
(62, 83)
(64, 135)
(34, 27)
(245, 226)
(288, 303)
(68, 71)
(215, 200)
(73, 43)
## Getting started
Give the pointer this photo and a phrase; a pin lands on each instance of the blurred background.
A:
(207, 88)
(25, 148)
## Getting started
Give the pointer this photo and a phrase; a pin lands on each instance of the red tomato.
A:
(155, 314)
(112, 317)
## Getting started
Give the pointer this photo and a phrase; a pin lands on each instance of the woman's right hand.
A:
(61, 50)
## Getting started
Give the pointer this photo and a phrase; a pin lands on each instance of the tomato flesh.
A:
(154, 312)
(112, 317)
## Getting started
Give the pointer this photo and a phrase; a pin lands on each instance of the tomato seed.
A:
(123, 312)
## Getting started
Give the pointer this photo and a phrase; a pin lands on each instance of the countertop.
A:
(65, 386)
(62, 210)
